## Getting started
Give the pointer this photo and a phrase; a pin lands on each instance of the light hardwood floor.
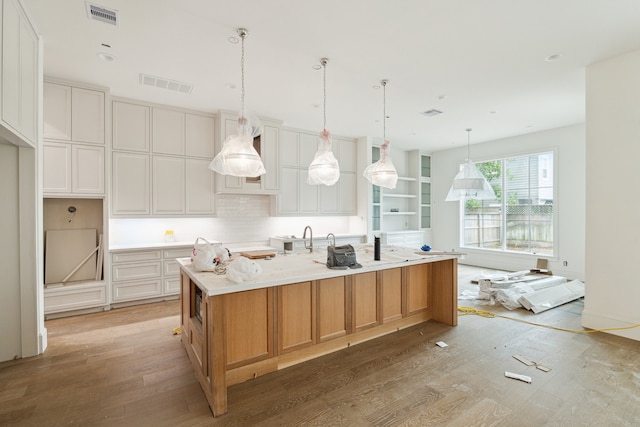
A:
(126, 368)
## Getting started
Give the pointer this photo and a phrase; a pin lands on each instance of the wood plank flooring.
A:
(126, 368)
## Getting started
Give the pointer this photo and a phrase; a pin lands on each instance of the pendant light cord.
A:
(468, 142)
(384, 111)
(242, 36)
(323, 62)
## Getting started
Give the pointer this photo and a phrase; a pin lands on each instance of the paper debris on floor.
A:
(528, 362)
(442, 344)
(525, 378)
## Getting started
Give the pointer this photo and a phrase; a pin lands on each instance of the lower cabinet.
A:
(143, 274)
(75, 297)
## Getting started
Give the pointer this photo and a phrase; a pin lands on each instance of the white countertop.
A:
(300, 267)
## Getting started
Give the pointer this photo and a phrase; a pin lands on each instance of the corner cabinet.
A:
(160, 160)
(74, 139)
(267, 145)
(19, 75)
(297, 196)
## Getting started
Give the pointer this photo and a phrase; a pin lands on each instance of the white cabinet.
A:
(73, 169)
(410, 239)
(296, 196)
(19, 75)
(168, 134)
(74, 140)
(75, 297)
(168, 185)
(131, 126)
(131, 178)
(147, 273)
(73, 113)
(199, 187)
(169, 151)
(267, 145)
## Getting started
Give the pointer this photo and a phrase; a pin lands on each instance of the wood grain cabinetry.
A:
(237, 336)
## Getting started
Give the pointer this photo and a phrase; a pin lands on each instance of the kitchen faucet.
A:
(304, 237)
(334, 238)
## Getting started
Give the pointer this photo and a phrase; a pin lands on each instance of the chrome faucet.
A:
(334, 238)
(304, 237)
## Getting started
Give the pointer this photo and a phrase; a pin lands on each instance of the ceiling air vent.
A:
(431, 113)
(102, 14)
(163, 83)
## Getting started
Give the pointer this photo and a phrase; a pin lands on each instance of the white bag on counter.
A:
(242, 269)
(206, 256)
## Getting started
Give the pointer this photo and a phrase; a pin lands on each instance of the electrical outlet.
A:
(565, 263)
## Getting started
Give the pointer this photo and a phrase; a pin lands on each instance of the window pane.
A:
(526, 201)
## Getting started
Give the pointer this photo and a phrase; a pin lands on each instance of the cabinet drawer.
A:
(171, 268)
(136, 290)
(177, 253)
(171, 286)
(135, 256)
(141, 270)
(74, 298)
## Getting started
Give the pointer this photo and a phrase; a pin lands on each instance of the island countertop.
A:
(299, 267)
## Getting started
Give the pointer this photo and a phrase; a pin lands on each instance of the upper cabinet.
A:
(297, 196)
(169, 150)
(73, 113)
(73, 139)
(19, 75)
(267, 145)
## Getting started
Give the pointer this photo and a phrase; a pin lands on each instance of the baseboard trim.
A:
(598, 321)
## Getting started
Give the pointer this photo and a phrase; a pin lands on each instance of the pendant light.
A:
(469, 182)
(238, 157)
(382, 173)
(324, 168)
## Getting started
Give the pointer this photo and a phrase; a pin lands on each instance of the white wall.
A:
(612, 213)
(570, 203)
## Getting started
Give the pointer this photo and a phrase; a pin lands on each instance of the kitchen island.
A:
(298, 309)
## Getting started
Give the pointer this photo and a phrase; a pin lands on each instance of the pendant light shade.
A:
(469, 182)
(324, 168)
(383, 173)
(238, 157)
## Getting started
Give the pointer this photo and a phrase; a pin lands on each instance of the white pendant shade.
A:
(238, 158)
(324, 168)
(382, 173)
(470, 183)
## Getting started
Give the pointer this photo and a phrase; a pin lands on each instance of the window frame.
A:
(555, 216)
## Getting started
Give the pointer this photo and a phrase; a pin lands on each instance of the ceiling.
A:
(482, 63)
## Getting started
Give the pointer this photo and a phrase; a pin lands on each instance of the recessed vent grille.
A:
(102, 14)
(163, 83)
(431, 113)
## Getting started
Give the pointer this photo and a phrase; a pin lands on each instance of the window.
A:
(521, 218)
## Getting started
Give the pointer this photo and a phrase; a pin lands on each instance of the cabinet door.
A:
(329, 198)
(269, 150)
(391, 294)
(346, 150)
(200, 187)
(308, 194)
(288, 197)
(57, 111)
(347, 193)
(365, 301)
(331, 309)
(57, 167)
(87, 169)
(87, 116)
(168, 131)
(130, 189)
(296, 316)
(200, 136)
(417, 288)
(168, 185)
(288, 149)
(29, 78)
(130, 127)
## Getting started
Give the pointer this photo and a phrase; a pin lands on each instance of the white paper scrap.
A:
(442, 344)
(524, 378)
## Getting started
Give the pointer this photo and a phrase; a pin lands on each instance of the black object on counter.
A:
(376, 249)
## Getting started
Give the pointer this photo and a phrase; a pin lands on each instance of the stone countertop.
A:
(303, 266)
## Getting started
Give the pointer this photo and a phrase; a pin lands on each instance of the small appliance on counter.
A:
(341, 257)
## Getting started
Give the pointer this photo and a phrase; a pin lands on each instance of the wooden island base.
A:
(234, 337)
